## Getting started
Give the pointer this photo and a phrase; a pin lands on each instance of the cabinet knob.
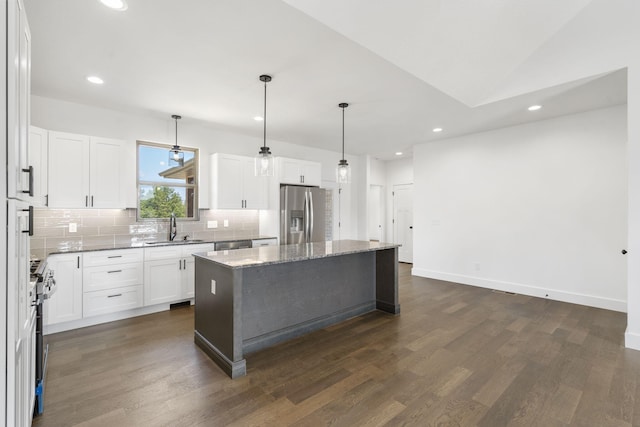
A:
(624, 252)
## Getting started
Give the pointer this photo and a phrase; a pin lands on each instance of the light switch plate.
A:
(213, 286)
(226, 222)
(73, 227)
(212, 224)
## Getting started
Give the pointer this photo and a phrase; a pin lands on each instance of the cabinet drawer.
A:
(111, 276)
(163, 252)
(112, 300)
(117, 256)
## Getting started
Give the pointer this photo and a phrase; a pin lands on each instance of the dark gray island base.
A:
(249, 299)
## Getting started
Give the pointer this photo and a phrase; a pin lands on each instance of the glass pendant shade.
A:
(264, 162)
(176, 156)
(343, 172)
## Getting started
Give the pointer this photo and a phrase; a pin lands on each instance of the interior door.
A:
(403, 221)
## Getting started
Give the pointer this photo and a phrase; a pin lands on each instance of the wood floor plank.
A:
(456, 355)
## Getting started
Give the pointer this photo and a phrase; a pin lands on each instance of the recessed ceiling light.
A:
(258, 118)
(437, 130)
(115, 4)
(534, 107)
(95, 80)
(399, 153)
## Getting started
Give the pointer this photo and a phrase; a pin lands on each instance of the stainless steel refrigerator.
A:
(302, 214)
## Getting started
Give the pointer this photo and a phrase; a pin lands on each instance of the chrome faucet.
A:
(173, 228)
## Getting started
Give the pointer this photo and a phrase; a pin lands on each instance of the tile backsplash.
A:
(100, 228)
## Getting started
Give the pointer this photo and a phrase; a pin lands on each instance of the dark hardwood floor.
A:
(456, 356)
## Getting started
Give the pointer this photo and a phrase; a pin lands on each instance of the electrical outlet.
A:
(213, 286)
(73, 227)
(226, 222)
(212, 224)
(476, 265)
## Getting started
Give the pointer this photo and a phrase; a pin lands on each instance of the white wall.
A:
(537, 209)
(54, 114)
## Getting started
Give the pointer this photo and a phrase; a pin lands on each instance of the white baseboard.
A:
(632, 340)
(105, 318)
(518, 288)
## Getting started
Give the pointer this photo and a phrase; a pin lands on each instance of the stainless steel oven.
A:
(45, 286)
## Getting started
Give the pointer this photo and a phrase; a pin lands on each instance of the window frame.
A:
(195, 186)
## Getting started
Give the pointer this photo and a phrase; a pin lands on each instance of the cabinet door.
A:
(311, 173)
(255, 188)
(289, 171)
(189, 277)
(106, 169)
(66, 303)
(18, 99)
(162, 281)
(68, 170)
(226, 181)
(38, 155)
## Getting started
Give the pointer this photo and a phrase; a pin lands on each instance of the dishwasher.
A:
(234, 244)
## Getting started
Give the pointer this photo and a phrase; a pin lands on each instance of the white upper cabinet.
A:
(85, 172)
(68, 170)
(298, 172)
(234, 184)
(38, 155)
(18, 96)
(106, 170)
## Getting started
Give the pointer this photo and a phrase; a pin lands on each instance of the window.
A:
(163, 189)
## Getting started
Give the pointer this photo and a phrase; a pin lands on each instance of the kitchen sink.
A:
(174, 242)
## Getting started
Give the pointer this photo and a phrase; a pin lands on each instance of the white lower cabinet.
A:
(169, 273)
(66, 303)
(112, 281)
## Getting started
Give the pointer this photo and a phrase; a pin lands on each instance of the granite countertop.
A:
(155, 244)
(266, 255)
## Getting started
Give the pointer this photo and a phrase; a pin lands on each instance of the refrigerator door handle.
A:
(306, 216)
(310, 216)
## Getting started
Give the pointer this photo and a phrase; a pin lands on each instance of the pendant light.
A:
(264, 159)
(343, 171)
(176, 156)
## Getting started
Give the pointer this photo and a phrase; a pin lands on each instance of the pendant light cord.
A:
(176, 144)
(264, 144)
(342, 133)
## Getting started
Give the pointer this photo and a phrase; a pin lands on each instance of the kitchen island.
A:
(249, 299)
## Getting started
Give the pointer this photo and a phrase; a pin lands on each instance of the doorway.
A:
(403, 221)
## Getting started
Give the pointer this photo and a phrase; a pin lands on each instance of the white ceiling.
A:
(405, 67)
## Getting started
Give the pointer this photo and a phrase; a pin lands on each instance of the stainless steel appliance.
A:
(45, 286)
(302, 214)
(231, 245)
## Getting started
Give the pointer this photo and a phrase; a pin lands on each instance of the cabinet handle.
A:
(29, 170)
(303, 179)
(46, 200)
(30, 230)
(113, 296)
(86, 201)
(179, 264)
(115, 256)
(184, 264)
(114, 271)
(91, 201)
(78, 261)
